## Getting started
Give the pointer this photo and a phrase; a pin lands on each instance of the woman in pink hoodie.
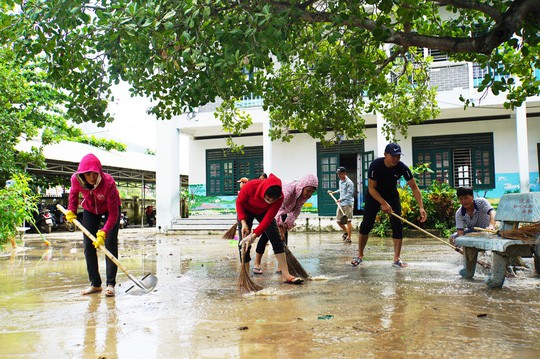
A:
(100, 198)
(295, 194)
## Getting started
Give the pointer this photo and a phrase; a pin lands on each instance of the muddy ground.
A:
(196, 310)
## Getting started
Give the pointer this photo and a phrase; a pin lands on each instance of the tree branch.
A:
(473, 5)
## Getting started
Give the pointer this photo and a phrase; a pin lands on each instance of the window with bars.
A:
(459, 160)
(224, 168)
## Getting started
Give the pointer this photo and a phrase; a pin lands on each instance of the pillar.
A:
(167, 174)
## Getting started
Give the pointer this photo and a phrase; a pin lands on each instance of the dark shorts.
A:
(372, 207)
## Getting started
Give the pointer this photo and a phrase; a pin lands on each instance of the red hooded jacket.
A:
(251, 199)
(103, 198)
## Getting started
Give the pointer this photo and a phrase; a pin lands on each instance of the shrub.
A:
(440, 204)
(17, 204)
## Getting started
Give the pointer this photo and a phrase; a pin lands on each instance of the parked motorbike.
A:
(59, 220)
(43, 221)
(124, 220)
(150, 213)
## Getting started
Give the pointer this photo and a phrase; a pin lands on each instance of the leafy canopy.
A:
(32, 108)
(318, 65)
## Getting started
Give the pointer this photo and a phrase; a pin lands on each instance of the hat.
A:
(243, 180)
(393, 149)
(341, 170)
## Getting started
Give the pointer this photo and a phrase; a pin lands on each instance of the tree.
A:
(318, 65)
(32, 108)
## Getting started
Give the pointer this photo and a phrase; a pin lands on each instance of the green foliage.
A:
(318, 65)
(17, 204)
(440, 204)
(32, 108)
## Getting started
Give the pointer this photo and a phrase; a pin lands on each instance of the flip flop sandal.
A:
(344, 236)
(109, 292)
(257, 271)
(91, 290)
(400, 264)
(356, 261)
(294, 281)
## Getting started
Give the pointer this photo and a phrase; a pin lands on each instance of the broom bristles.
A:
(245, 283)
(231, 232)
(525, 233)
(295, 268)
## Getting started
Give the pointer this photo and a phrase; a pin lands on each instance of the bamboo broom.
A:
(528, 233)
(231, 232)
(245, 284)
(295, 268)
(457, 249)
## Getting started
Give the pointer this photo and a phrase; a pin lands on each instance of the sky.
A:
(132, 125)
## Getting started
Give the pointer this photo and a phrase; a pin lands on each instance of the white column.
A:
(167, 174)
(522, 147)
(267, 148)
(381, 139)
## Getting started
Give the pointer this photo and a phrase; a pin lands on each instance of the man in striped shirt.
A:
(474, 212)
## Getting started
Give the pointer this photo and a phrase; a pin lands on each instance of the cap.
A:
(243, 180)
(341, 170)
(393, 149)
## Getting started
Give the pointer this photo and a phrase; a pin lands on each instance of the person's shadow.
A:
(100, 318)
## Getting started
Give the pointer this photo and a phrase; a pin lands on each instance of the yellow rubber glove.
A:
(100, 238)
(70, 216)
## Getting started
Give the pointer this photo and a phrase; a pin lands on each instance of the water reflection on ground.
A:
(372, 311)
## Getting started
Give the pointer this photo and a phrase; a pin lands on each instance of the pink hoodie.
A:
(293, 199)
(100, 199)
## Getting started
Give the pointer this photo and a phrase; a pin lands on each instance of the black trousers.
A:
(91, 222)
(271, 233)
(261, 244)
(371, 209)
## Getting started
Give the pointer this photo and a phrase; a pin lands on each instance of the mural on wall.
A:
(200, 203)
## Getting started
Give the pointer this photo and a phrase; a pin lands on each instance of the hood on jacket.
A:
(267, 183)
(89, 163)
(309, 180)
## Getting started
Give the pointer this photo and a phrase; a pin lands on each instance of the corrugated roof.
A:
(74, 152)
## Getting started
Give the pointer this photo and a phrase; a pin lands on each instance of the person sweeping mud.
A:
(100, 197)
(295, 194)
(261, 200)
(345, 203)
(383, 175)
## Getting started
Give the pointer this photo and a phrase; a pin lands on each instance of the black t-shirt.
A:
(387, 177)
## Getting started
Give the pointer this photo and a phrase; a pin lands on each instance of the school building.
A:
(487, 147)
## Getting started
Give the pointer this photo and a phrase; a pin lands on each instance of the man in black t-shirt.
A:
(383, 176)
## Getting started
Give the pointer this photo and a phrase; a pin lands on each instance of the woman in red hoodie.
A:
(261, 200)
(100, 197)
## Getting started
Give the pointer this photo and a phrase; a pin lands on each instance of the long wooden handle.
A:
(426, 232)
(339, 205)
(492, 231)
(103, 249)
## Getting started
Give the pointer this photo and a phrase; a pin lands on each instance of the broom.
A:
(295, 268)
(231, 232)
(343, 219)
(527, 233)
(245, 283)
(457, 249)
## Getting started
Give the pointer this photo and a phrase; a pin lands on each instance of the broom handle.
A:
(103, 249)
(426, 232)
(492, 231)
(335, 200)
